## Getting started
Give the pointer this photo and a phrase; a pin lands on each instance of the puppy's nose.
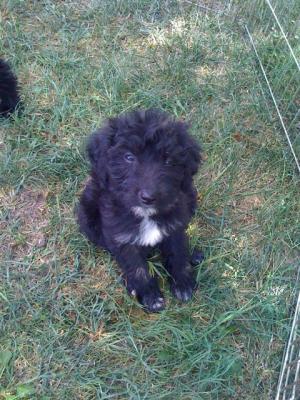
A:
(146, 197)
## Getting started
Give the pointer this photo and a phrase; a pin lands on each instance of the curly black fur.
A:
(141, 195)
(9, 96)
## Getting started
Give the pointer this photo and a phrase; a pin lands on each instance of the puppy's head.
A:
(145, 159)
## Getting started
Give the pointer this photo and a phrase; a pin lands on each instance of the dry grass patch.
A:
(25, 223)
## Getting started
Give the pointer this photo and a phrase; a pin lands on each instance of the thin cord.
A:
(273, 98)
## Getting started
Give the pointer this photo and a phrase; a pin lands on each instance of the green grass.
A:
(68, 329)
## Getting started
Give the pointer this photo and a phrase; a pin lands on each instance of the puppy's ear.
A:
(98, 145)
(191, 149)
(192, 159)
(193, 156)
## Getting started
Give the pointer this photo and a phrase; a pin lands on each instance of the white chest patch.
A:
(149, 234)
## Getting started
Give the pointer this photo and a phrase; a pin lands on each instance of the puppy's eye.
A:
(129, 157)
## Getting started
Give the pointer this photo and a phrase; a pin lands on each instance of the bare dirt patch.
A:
(246, 207)
(24, 222)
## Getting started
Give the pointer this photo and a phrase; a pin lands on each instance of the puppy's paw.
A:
(184, 288)
(197, 257)
(148, 295)
(152, 302)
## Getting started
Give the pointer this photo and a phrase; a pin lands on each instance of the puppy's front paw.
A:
(148, 295)
(152, 302)
(183, 288)
(197, 257)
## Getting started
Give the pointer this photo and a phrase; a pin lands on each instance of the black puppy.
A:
(9, 96)
(141, 195)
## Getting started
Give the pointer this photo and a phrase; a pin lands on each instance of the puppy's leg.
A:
(176, 259)
(88, 215)
(138, 281)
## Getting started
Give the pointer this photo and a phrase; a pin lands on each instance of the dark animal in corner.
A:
(141, 195)
(9, 96)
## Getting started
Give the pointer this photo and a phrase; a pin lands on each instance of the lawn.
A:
(68, 328)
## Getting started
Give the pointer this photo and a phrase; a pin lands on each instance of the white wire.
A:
(296, 314)
(283, 34)
(297, 310)
(296, 376)
(273, 98)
